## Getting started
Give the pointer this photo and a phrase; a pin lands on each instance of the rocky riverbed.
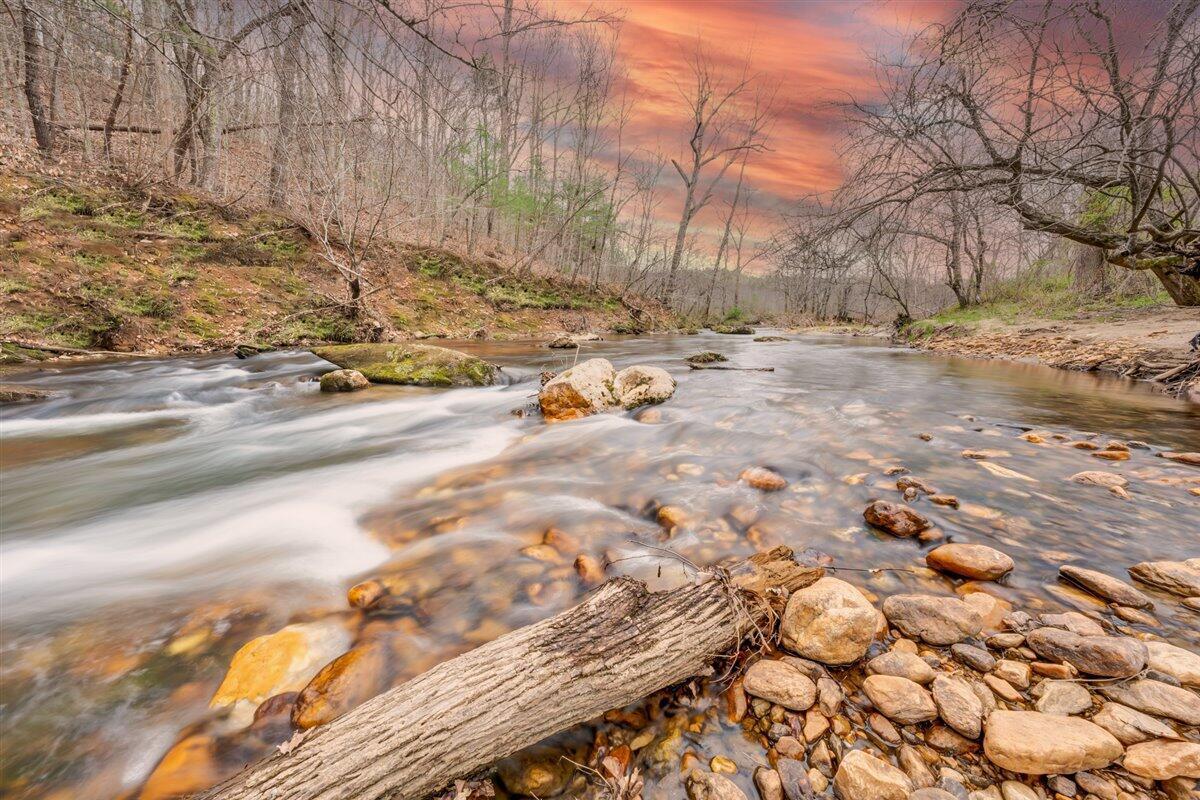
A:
(930, 657)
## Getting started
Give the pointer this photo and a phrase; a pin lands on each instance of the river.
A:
(154, 499)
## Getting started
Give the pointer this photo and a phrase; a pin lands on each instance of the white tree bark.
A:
(619, 645)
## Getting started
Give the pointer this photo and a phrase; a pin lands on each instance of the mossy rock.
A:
(411, 364)
(706, 357)
(740, 330)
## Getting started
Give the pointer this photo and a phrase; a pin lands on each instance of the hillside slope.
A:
(91, 264)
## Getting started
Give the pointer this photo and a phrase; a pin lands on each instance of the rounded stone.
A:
(780, 682)
(829, 621)
(900, 699)
(976, 561)
(1032, 743)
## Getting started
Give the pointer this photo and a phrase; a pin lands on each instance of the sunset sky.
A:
(812, 52)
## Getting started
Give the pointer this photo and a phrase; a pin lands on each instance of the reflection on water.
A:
(159, 514)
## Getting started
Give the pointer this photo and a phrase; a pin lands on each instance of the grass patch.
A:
(193, 229)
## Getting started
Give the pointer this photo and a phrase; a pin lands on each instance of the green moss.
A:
(14, 286)
(192, 228)
(90, 261)
(157, 305)
(413, 364)
(123, 218)
(56, 201)
(317, 328)
(15, 354)
(201, 326)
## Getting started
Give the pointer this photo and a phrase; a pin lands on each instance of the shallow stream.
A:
(158, 514)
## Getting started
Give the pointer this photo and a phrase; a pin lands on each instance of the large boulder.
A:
(862, 776)
(939, 621)
(593, 386)
(829, 621)
(411, 364)
(1106, 656)
(1032, 743)
(639, 386)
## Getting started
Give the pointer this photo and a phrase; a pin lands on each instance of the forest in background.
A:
(1011, 153)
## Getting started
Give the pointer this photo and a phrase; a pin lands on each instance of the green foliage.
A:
(14, 286)
(192, 228)
(123, 218)
(157, 305)
(318, 327)
(90, 261)
(56, 201)
(735, 314)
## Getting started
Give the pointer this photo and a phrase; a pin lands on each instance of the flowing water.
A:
(157, 514)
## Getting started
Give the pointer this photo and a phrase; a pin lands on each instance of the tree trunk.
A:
(1184, 290)
(617, 646)
(32, 44)
(1089, 271)
(119, 94)
(286, 112)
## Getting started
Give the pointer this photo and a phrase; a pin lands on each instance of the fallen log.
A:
(731, 369)
(619, 645)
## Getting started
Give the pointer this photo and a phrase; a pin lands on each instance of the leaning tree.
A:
(1082, 125)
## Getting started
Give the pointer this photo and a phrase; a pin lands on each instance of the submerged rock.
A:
(764, 479)
(1032, 743)
(709, 786)
(829, 621)
(412, 364)
(344, 380)
(770, 339)
(976, 561)
(569, 341)
(593, 386)
(1177, 577)
(345, 683)
(895, 518)
(538, 771)
(1105, 586)
(284, 661)
(10, 393)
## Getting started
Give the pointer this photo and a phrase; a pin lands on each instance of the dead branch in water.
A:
(620, 644)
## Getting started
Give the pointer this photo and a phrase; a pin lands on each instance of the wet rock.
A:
(900, 699)
(974, 657)
(780, 682)
(344, 380)
(768, 783)
(1191, 459)
(770, 339)
(589, 569)
(709, 786)
(1101, 585)
(1061, 697)
(1155, 697)
(939, 621)
(407, 363)
(976, 561)
(1106, 656)
(1032, 743)
(284, 661)
(10, 393)
(816, 725)
(883, 729)
(571, 341)
(944, 500)
(1135, 616)
(706, 357)
(1112, 455)
(895, 518)
(829, 696)
(1163, 759)
(829, 621)
(902, 665)
(980, 455)
(797, 783)
(958, 705)
(1015, 790)
(1182, 665)
(345, 683)
(639, 386)
(862, 776)
(1115, 483)
(1177, 577)
(190, 766)
(741, 330)
(722, 765)
(763, 479)
(1130, 726)
(945, 739)
(538, 771)
(913, 482)
(914, 766)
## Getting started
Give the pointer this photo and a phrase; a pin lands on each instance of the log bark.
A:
(620, 644)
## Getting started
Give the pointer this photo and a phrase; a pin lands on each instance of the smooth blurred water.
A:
(154, 491)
